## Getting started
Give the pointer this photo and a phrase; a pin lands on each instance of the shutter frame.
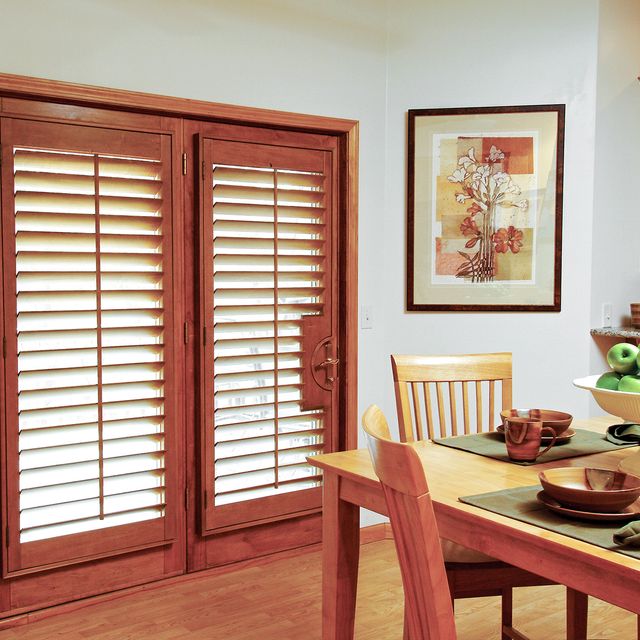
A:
(79, 547)
(218, 295)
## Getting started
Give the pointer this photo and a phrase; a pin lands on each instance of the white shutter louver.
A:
(269, 253)
(89, 296)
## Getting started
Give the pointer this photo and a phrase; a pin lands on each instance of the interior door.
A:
(269, 356)
(91, 440)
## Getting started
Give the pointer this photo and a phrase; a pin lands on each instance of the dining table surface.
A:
(350, 483)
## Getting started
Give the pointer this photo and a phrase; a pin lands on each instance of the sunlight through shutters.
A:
(268, 273)
(90, 313)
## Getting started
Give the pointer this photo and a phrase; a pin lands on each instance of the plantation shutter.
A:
(267, 294)
(89, 317)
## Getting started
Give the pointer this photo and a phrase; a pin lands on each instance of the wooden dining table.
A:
(350, 483)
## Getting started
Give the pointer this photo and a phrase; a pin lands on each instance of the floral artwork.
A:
(485, 208)
(485, 188)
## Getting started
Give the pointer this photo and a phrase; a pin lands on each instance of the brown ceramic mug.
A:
(524, 438)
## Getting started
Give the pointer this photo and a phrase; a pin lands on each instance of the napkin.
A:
(629, 535)
(624, 433)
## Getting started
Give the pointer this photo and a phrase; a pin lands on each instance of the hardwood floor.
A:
(281, 601)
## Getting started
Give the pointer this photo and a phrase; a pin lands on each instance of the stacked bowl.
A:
(589, 490)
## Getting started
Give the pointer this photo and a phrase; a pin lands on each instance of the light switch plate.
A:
(366, 317)
(607, 312)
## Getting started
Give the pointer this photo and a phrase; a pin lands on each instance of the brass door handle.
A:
(329, 379)
(328, 362)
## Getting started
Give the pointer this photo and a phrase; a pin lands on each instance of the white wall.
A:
(370, 60)
(467, 53)
(324, 58)
(616, 221)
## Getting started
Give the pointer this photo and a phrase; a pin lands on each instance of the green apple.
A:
(629, 384)
(609, 380)
(622, 358)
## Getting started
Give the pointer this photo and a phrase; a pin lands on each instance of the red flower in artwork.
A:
(474, 208)
(508, 240)
(470, 228)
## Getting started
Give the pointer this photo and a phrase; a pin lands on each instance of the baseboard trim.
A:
(373, 533)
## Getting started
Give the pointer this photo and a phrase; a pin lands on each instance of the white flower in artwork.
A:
(481, 173)
(469, 159)
(513, 188)
(523, 205)
(462, 197)
(495, 154)
(501, 178)
(457, 176)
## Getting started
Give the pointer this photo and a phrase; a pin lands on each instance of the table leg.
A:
(577, 610)
(340, 556)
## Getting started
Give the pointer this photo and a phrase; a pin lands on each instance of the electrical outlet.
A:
(607, 312)
(366, 317)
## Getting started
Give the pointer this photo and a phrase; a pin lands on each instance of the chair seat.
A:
(454, 552)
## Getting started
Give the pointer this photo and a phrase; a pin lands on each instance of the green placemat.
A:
(492, 445)
(521, 504)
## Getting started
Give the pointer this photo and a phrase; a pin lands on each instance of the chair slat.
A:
(405, 426)
(479, 405)
(507, 402)
(441, 416)
(465, 406)
(428, 410)
(492, 400)
(416, 411)
(452, 407)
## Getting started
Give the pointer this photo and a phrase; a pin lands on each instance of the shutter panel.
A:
(266, 248)
(91, 311)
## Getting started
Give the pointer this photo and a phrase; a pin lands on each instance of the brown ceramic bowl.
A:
(588, 489)
(557, 420)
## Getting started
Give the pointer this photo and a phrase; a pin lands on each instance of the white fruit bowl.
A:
(617, 403)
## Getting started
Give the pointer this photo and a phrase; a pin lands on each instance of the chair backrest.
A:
(400, 470)
(424, 381)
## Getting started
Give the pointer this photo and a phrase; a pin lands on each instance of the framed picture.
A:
(485, 208)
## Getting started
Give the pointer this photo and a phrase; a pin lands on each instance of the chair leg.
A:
(406, 635)
(507, 613)
(577, 610)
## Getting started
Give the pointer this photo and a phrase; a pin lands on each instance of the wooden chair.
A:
(437, 396)
(428, 608)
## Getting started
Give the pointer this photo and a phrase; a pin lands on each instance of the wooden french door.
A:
(92, 429)
(173, 320)
(269, 363)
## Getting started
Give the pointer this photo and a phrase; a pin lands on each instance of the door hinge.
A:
(203, 169)
(184, 164)
(186, 333)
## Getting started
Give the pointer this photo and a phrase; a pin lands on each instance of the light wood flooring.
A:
(281, 601)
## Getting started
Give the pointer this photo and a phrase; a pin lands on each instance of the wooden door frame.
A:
(55, 101)
(24, 87)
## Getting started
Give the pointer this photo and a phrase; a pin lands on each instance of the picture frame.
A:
(484, 208)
